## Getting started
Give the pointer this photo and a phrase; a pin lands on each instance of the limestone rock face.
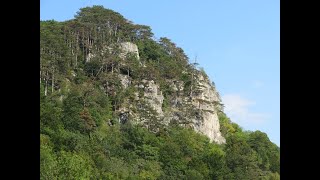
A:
(125, 80)
(207, 101)
(199, 110)
(153, 96)
(128, 47)
(195, 108)
(90, 56)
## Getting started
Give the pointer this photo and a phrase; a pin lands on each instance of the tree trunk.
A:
(107, 90)
(191, 84)
(77, 48)
(52, 82)
(46, 85)
(112, 68)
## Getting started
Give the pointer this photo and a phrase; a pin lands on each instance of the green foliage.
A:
(267, 151)
(72, 107)
(227, 127)
(150, 50)
(274, 176)
(92, 68)
(48, 160)
(133, 152)
(74, 166)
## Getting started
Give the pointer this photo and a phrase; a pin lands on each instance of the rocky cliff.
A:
(197, 110)
(126, 48)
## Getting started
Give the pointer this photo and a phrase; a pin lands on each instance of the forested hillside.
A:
(117, 103)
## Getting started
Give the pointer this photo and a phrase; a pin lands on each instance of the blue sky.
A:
(236, 42)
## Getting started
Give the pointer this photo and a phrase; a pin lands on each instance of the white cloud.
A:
(237, 108)
(257, 84)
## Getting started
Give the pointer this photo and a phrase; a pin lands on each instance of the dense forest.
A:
(81, 136)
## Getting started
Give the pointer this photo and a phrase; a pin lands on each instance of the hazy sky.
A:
(237, 43)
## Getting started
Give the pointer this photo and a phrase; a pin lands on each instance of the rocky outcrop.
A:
(153, 96)
(125, 80)
(127, 48)
(207, 102)
(197, 108)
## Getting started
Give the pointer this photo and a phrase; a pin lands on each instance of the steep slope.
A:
(197, 110)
